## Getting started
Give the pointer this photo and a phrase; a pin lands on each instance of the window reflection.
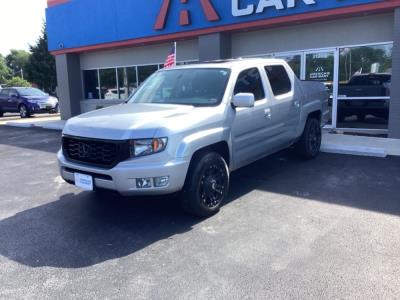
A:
(294, 61)
(127, 81)
(115, 83)
(144, 72)
(91, 84)
(320, 67)
(108, 84)
(364, 86)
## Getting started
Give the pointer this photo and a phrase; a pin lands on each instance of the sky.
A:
(20, 23)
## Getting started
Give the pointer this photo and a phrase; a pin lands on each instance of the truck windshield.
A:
(194, 86)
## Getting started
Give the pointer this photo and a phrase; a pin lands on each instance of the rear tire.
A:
(309, 145)
(206, 186)
(23, 111)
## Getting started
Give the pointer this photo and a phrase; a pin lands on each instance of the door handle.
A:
(268, 113)
(296, 103)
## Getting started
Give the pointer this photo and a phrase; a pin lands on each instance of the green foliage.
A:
(18, 82)
(41, 68)
(17, 60)
(361, 59)
(5, 72)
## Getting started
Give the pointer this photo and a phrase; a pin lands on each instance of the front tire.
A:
(23, 111)
(309, 144)
(207, 185)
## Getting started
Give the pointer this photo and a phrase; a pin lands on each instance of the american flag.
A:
(171, 58)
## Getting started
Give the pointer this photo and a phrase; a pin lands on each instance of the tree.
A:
(17, 61)
(18, 81)
(41, 68)
(5, 72)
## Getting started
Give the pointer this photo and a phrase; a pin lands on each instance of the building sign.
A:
(82, 23)
(319, 74)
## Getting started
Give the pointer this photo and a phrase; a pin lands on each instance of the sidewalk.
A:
(47, 121)
(331, 143)
(360, 145)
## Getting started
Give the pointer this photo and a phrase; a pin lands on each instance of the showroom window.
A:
(294, 61)
(115, 83)
(108, 84)
(364, 86)
(91, 84)
(144, 72)
(127, 82)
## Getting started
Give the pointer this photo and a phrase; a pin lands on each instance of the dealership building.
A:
(105, 49)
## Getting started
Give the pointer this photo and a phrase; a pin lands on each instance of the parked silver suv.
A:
(187, 128)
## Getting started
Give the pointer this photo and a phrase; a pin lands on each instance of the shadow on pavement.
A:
(31, 138)
(88, 228)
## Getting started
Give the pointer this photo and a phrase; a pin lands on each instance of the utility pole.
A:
(20, 71)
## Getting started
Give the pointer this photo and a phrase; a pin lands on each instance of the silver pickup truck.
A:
(186, 128)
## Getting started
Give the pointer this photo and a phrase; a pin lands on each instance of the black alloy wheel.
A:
(207, 184)
(314, 138)
(309, 144)
(212, 185)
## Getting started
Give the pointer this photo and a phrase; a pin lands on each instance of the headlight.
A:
(147, 146)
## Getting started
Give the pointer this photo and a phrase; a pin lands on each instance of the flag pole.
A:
(176, 56)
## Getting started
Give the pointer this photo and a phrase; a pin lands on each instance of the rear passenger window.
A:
(279, 79)
(4, 92)
(249, 81)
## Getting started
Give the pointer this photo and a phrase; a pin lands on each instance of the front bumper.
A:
(36, 108)
(122, 178)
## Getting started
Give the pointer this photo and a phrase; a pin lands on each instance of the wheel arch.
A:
(222, 148)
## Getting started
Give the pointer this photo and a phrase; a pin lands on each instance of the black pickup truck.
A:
(365, 86)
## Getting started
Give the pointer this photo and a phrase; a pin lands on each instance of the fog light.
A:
(161, 181)
(143, 183)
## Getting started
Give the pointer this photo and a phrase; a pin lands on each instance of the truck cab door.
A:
(287, 101)
(252, 129)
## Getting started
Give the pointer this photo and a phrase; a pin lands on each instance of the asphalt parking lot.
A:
(327, 228)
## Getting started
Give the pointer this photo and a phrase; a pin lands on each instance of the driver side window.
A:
(249, 81)
(13, 93)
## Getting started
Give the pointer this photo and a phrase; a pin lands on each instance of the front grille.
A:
(100, 153)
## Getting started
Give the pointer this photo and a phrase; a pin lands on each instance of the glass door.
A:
(320, 66)
(364, 87)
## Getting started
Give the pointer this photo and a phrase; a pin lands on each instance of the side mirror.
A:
(243, 100)
(14, 96)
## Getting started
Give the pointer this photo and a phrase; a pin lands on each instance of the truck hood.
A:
(125, 121)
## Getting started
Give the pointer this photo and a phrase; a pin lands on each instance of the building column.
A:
(394, 113)
(69, 83)
(215, 46)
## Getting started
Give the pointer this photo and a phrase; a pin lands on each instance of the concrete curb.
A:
(46, 125)
(59, 127)
(18, 124)
(354, 150)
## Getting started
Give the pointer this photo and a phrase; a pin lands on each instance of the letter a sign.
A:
(184, 16)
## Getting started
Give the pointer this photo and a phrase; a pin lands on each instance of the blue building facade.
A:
(105, 48)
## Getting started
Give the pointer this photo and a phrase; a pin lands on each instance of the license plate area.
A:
(83, 181)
